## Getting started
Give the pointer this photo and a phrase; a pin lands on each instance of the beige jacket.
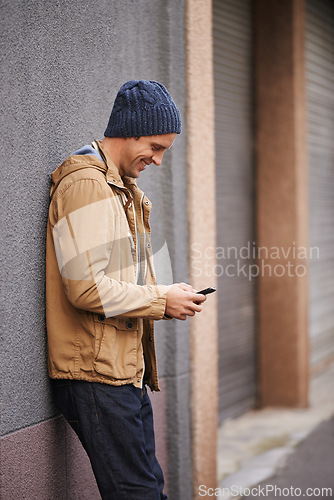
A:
(99, 321)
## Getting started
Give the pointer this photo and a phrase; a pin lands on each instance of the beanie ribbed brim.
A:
(155, 121)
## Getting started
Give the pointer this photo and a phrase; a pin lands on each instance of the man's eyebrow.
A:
(157, 144)
(162, 146)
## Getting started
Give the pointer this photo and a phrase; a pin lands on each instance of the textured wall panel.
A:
(62, 63)
(202, 233)
(46, 461)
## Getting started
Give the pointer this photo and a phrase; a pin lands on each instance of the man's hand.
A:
(182, 301)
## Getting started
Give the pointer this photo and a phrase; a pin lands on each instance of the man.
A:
(101, 293)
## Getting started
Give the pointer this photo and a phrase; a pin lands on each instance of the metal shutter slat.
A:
(320, 115)
(232, 40)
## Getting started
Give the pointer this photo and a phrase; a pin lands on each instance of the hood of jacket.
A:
(71, 165)
(88, 157)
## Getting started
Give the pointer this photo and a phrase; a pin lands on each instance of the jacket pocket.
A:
(117, 352)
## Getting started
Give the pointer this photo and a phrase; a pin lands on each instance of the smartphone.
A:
(207, 290)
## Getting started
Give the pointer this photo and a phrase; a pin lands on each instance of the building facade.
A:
(250, 179)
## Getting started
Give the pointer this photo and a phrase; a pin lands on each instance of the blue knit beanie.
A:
(143, 107)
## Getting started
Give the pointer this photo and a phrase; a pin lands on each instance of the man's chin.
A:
(140, 171)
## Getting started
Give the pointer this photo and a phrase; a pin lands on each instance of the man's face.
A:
(138, 152)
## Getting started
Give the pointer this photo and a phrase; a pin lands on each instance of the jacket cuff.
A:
(159, 303)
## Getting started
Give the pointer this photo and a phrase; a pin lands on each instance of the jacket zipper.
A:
(145, 237)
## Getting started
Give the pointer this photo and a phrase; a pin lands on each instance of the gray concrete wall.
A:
(62, 63)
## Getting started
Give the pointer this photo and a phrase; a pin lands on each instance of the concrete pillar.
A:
(202, 235)
(282, 206)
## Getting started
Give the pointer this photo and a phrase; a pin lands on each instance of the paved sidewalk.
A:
(309, 470)
(255, 446)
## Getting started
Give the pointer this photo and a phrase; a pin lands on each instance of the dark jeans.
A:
(115, 426)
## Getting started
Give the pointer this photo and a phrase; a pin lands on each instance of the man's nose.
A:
(157, 159)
